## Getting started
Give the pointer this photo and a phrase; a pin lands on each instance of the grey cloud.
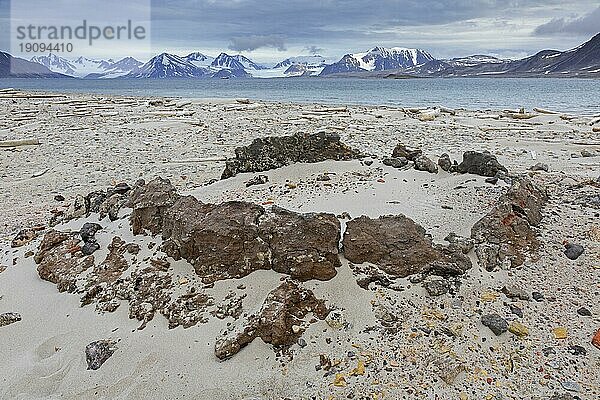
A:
(253, 42)
(314, 49)
(584, 25)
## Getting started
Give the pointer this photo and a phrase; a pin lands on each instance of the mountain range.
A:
(582, 61)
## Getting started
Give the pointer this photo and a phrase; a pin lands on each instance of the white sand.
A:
(43, 357)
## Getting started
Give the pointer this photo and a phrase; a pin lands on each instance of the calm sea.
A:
(581, 96)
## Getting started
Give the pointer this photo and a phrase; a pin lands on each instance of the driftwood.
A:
(429, 115)
(543, 111)
(243, 101)
(328, 110)
(596, 129)
(519, 115)
(199, 160)
(19, 142)
(447, 110)
(241, 107)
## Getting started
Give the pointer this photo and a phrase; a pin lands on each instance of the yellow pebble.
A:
(518, 329)
(560, 333)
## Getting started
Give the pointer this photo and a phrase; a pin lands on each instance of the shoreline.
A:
(80, 133)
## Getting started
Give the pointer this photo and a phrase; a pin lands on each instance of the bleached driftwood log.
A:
(19, 142)
(199, 160)
(429, 115)
(544, 111)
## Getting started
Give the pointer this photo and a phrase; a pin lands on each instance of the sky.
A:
(272, 30)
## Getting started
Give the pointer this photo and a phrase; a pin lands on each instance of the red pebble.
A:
(596, 339)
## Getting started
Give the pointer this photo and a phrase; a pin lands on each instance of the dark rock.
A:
(423, 163)
(584, 312)
(540, 167)
(368, 163)
(24, 237)
(513, 292)
(305, 246)
(90, 247)
(395, 162)
(257, 180)
(537, 296)
(150, 202)
(59, 197)
(402, 151)
(94, 200)
(97, 353)
(587, 153)
(577, 350)
(495, 322)
(121, 188)
(400, 247)
(88, 231)
(573, 251)
(484, 164)
(445, 163)
(506, 233)
(220, 241)
(9, 318)
(492, 181)
(279, 321)
(323, 178)
(436, 285)
(515, 310)
(274, 152)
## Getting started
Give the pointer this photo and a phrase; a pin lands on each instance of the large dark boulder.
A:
(150, 201)
(484, 164)
(274, 152)
(400, 247)
(220, 241)
(304, 246)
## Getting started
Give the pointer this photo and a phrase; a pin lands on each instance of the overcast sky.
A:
(271, 30)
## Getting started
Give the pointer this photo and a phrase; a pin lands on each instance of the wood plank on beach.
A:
(19, 142)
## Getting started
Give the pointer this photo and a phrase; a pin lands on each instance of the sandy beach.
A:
(398, 340)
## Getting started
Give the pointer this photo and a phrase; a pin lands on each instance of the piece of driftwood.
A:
(447, 110)
(243, 101)
(519, 115)
(596, 129)
(544, 111)
(329, 110)
(199, 160)
(505, 128)
(429, 115)
(40, 173)
(19, 142)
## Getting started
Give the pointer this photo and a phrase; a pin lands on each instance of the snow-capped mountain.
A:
(167, 65)
(199, 59)
(87, 68)
(14, 67)
(56, 64)
(379, 59)
(315, 61)
(236, 62)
